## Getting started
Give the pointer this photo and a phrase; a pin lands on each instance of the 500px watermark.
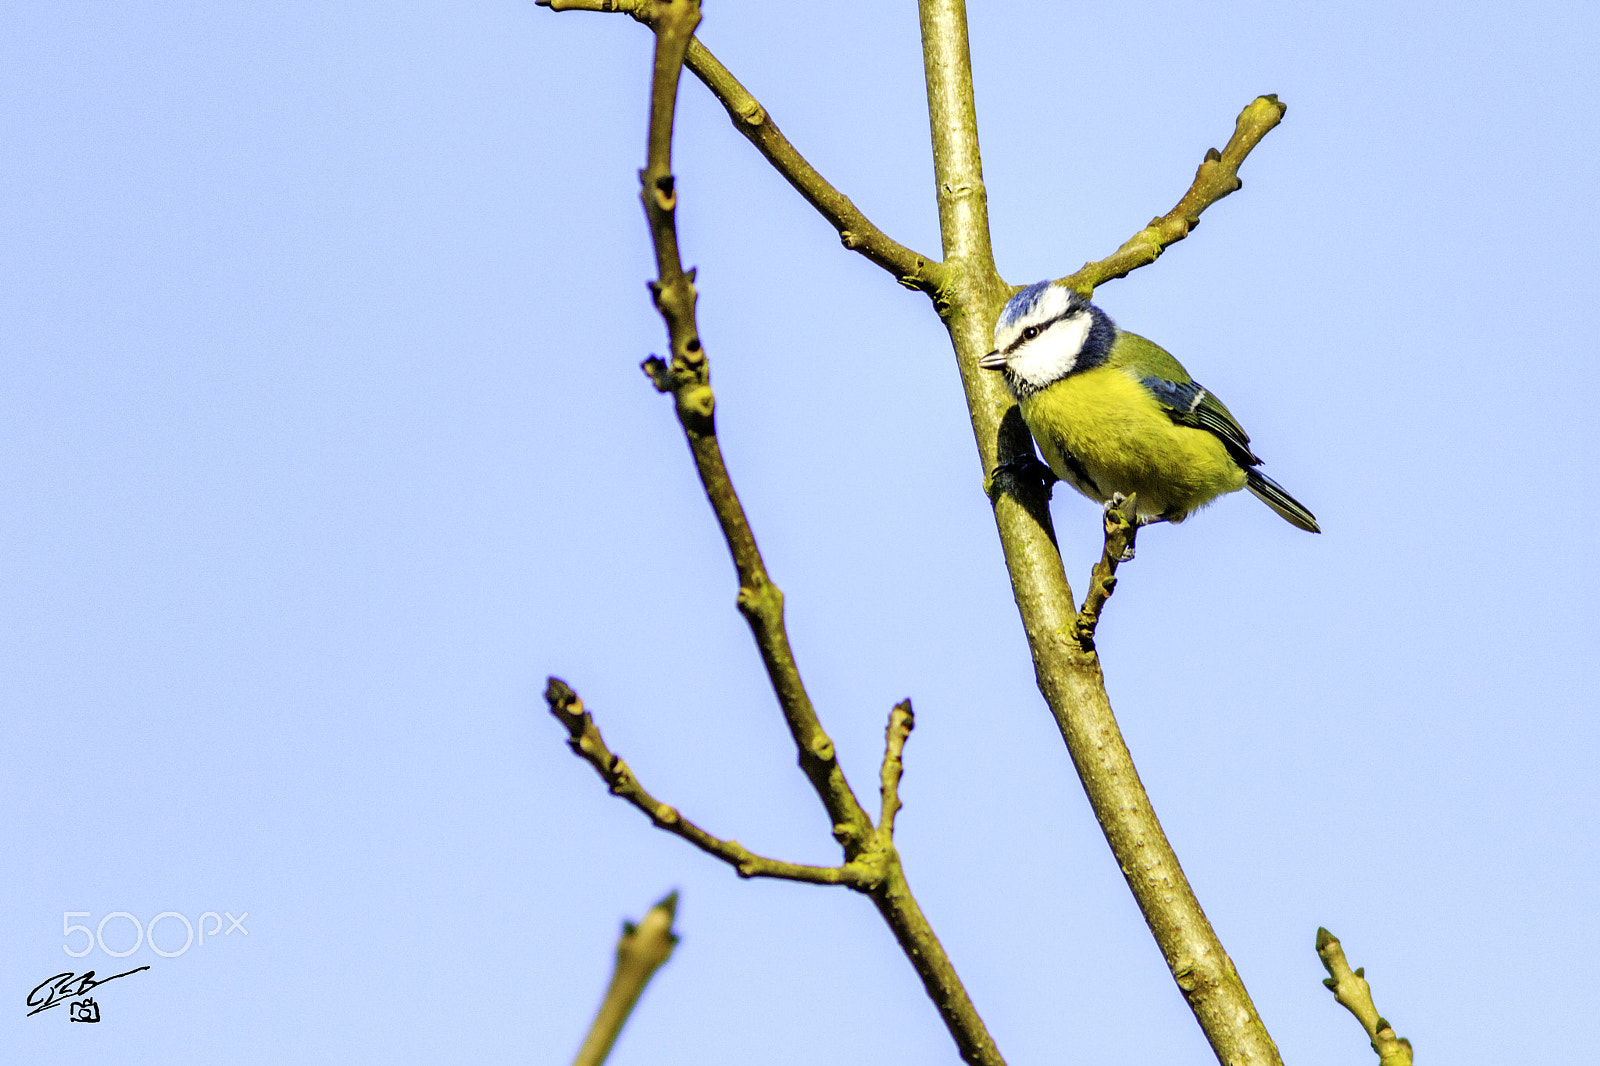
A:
(146, 933)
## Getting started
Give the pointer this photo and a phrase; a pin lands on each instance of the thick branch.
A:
(1350, 988)
(585, 741)
(1068, 672)
(1217, 177)
(939, 978)
(855, 230)
(640, 952)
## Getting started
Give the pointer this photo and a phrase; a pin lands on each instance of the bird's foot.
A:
(1020, 467)
(1126, 506)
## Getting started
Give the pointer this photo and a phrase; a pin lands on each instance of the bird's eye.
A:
(1030, 333)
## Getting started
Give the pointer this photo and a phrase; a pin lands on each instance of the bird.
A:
(1116, 416)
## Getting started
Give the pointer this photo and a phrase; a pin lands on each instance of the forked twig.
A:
(967, 292)
(856, 231)
(1068, 674)
(872, 866)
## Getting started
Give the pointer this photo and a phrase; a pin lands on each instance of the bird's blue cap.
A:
(1022, 303)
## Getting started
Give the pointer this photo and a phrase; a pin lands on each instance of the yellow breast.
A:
(1103, 432)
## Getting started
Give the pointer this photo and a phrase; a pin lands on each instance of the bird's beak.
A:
(993, 361)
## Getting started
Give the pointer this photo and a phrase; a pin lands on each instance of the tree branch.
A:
(1068, 672)
(1350, 988)
(585, 741)
(968, 293)
(640, 952)
(872, 865)
(893, 898)
(1217, 177)
(901, 721)
(875, 871)
(688, 379)
(1121, 528)
(856, 231)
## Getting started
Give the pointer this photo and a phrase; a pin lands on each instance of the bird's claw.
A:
(1119, 503)
(1022, 466)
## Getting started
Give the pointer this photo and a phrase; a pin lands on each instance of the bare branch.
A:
(1068, 672)
(1350, 988)
(901, 721)
(640, 952)
(1217, 177)
(939, 978)
(585, 740)
(856, 231)
(626, 7)
(968, 293)
(1121, 528)
(688, 379)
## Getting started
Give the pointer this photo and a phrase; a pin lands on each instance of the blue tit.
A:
(1115, 414)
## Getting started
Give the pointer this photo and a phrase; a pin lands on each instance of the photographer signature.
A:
(63, 986)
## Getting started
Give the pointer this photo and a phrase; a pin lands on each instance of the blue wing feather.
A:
(1189, 404)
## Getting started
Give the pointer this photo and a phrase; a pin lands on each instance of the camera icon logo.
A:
(83, 1010)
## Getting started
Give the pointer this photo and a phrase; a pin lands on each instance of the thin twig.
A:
(1350, 988)
(585, 741)
(641, 950)
(1218, 176)
(901, 721)
(856, 231)
(875, 871)
(1122, 526)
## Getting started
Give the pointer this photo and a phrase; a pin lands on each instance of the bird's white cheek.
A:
(1040, 366)
(1053, 355)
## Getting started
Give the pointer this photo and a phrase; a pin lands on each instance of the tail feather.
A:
(1271, 493)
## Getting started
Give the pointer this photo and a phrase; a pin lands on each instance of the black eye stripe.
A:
(1040, 328)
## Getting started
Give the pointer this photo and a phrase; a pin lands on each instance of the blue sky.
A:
(322, 442)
